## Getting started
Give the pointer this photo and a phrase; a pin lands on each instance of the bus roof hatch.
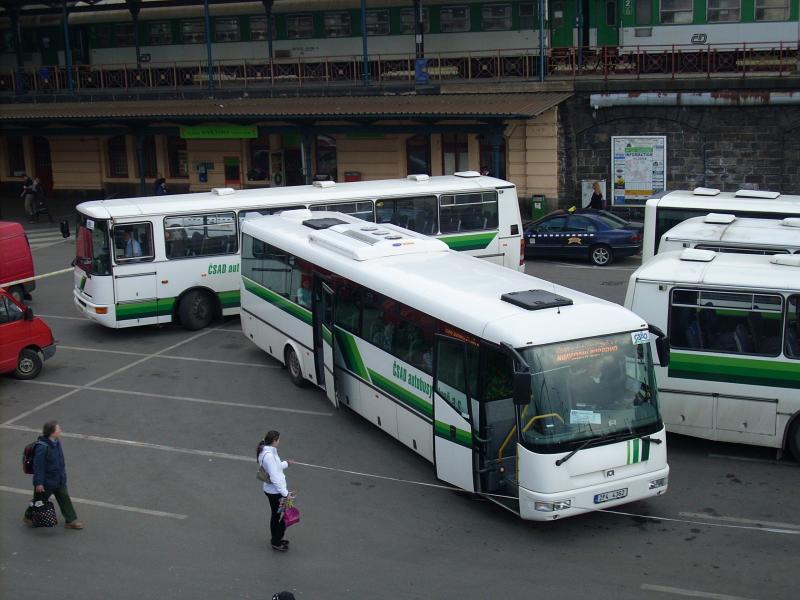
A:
(535, 299)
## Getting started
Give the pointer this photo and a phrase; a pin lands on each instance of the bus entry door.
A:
(323, 338)
(452, 429)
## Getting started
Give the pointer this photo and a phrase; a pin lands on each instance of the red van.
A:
(17, 261)
(25, 341)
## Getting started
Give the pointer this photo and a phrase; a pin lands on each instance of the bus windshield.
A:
(92, 251)
(601, 386)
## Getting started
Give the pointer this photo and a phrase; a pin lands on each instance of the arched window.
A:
(325, 154)
(418, 155)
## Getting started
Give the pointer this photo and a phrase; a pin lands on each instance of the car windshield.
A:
(590, 388)
(92, 247)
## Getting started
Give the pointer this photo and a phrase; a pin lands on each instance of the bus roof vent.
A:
(535, 299)
(420, 177)
(788, 260)
(719, 218)
(757, 194)
(323, 223)
(467, 174)
(695, 255)
(791, 222)
(701, 191)
(324, 184)
(223, 191)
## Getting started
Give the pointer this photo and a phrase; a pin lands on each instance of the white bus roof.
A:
(716, 201)
(728, 229)
(458, 289)
(324, 191)
(703, 267)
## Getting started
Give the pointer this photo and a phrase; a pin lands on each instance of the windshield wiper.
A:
(591, 440)
(651, 439)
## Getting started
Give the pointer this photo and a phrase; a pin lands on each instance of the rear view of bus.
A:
(538, 397)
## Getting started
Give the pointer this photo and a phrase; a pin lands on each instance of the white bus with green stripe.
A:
(182, 263)
(734, 329)
(538, 397)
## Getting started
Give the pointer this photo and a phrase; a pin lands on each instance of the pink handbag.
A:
(291, 514)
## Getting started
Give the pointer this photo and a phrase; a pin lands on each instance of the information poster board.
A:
(638, 168)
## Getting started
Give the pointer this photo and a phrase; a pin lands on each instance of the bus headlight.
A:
(657, 483)
(552, 506)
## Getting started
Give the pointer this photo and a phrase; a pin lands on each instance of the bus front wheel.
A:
(196, 310)
(293, 366)
(793, 440)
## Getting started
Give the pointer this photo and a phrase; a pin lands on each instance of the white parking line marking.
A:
(173, 357)
(756, 522)
(64, 317)
(104, 377)
(755, 460)
(133, 509)
(76, 388)
(691, 593)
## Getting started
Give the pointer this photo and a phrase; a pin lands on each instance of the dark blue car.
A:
(593, 234)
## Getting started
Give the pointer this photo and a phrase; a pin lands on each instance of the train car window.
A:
(526, 16)
(378, 22)
(453, 19)
(258, 28)
(644, 12)
(193, 32)
(611, 13)
(338, 24)
(226, 30)
(496, 17)
(299, 26)
(722, 11)
(677, 12)
(123, 35)
(408, 20)
(772, 10)
(160, 33)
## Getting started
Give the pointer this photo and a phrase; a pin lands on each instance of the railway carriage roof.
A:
(740, 231)
(255, 198)
(723, 270)
(459, 289)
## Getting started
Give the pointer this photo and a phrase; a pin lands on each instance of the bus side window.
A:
(792, 344)
(417, 214)
(379, 320)
(348, 305)
(451, 376)
(133, 242)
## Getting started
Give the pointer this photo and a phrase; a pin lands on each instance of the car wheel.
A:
(29, 364)
(293, 366)
(196, 310)
(601, 255)
(18, 293)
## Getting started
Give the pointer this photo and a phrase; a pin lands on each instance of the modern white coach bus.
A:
(663, 212)
(539, 397)
(141, 261)
(734, 328)
(722, 232)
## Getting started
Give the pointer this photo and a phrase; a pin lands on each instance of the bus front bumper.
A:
(536, 506)
(101, 313)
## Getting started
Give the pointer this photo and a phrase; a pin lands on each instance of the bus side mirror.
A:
(662, 345)
(522, 389)
(64, 228)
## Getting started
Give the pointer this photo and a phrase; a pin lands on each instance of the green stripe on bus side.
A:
(635, 450)
(472, 241)
(350, 354)
(277, 300)
(463, 438)
(144, 309)
(401, 394)
(645, 450)
(710, 367)
(230, 299)
(628, 448)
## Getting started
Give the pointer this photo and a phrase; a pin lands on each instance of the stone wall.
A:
(721, 147)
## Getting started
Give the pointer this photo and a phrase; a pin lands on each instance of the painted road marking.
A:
(64, 317)
(133, 509)
(173, 357)
(691, 593)
(756, 522)
(75, 388)
(104, 377)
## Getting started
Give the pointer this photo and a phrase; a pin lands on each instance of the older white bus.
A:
(723, 232)
(734, 329)
(539, 397)
(142, 261)
(664, 211)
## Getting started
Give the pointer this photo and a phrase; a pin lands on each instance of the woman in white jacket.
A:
(275, 490)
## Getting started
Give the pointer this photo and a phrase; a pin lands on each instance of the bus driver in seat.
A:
(304, 292)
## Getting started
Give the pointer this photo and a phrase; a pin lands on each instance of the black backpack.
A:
(27, 457)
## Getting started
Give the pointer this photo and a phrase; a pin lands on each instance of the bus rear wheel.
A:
(793, 440)
(196, 310)
(293, 366)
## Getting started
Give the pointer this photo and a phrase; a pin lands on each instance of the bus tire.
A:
(18, 293)
(29, 364)
(601, 255)
(293, 366)
(196, 310)
(793, 439)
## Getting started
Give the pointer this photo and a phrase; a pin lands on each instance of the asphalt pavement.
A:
(161, 427)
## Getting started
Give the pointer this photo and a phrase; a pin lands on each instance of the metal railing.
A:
(628, 62)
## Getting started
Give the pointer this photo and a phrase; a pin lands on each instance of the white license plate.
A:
(608, 496)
